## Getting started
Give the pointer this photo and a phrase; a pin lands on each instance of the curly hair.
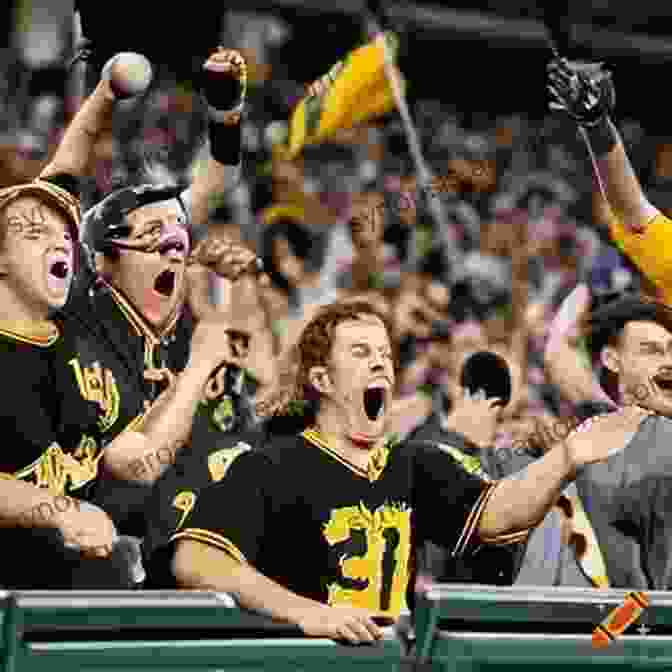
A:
(317, 339)
(293, 406)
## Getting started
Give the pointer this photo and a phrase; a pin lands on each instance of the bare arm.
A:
(25, 505)
(562, 359)
(522, 500)
(144, 452)
(86, 528)
(211, 180)
(650, 251)
(622, 188)
(199, 566)
(220, 170)
(585, 92)
(90, 124)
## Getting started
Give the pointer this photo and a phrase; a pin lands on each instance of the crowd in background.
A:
(519, 231)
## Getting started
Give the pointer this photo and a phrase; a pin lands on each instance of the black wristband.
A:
(225, 143)
(603, 136)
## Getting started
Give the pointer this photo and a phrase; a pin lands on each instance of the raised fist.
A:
(225, 85)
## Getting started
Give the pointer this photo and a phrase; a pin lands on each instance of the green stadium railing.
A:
(179, 631)
(471, 627)
(463, 628)
(7, 639)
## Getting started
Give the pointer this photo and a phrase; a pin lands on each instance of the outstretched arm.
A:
(522, 500)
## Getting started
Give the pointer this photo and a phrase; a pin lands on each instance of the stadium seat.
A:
(472, 627)
(170, 631)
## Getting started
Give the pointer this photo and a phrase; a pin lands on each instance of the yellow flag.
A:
(359, 91)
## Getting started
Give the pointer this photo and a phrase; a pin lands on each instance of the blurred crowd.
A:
(518, 226)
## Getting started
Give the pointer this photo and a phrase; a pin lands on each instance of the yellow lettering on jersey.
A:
(85, 458)
(60, 472)
(220, 461)
(470, 463)
(184, 501)
(373, 550)
(98, 385)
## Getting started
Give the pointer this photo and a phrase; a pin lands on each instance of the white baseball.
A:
(129, 74)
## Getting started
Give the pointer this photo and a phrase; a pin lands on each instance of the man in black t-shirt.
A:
(132, 314)
(49, 432)
(331, 517)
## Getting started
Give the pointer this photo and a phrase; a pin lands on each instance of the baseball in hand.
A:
(129, 74)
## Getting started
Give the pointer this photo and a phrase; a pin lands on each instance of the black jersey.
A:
(497, 564)
(224, 424)
(174, 495)
(335, 533)
(49, 437)
(124, 365)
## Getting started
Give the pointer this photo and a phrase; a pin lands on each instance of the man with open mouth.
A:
(140, 352)
(50, 536)
(320, 528)
(626, 498)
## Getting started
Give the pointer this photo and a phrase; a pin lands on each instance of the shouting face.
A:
(150, 269)
(359, 377)
(36, 258)
(643, 362)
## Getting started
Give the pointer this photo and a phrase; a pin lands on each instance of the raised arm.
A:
(146, 450)
(563, 360)
(124, 76)
(585, 92)
(219, 170)
(638, 228)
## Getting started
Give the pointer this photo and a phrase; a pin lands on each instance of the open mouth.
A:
(374, 402)
(59, 269)
(165, 283)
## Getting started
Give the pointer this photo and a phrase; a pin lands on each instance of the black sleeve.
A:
(232, 514)
(68, 182)
(26, 437)
(196, 466)
(443, 483)
(28, 414)
(448, 501)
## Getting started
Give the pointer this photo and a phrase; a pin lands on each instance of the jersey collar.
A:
(137, 322)
(42, 333)
(377, 461)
